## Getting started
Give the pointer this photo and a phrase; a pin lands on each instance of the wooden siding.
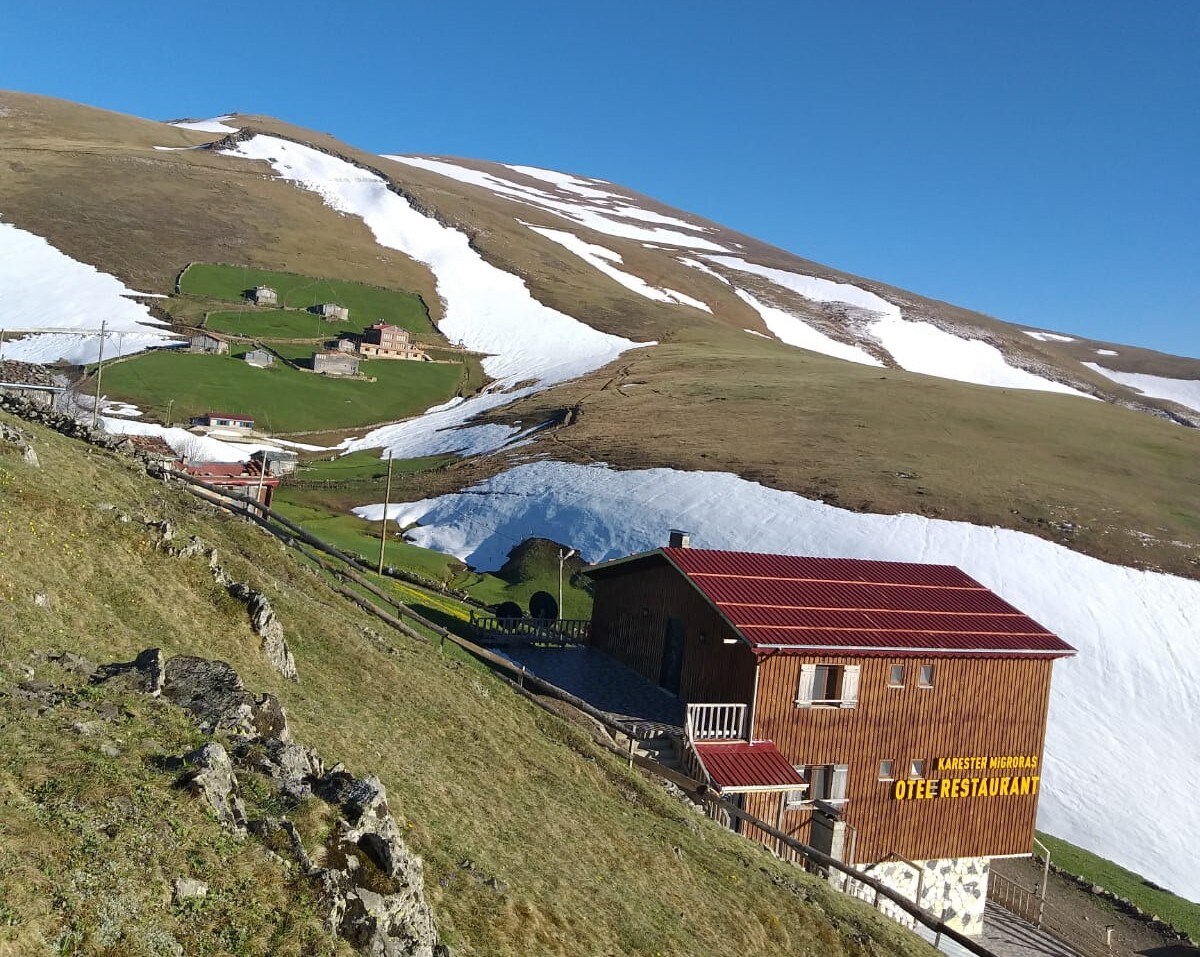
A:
(977, 707)
(629, 621)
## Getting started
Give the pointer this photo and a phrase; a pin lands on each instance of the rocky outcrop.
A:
(9, 435)
(371, 885)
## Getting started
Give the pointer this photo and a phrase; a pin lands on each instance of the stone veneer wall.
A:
(953, 888)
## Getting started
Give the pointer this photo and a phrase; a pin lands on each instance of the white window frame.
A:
(891, 770)
(921, 682)
(848, 681)
(891, 670)
(834, 778)
(916, 768)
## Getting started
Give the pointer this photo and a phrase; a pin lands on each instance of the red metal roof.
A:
(738, 766)
(845, 605)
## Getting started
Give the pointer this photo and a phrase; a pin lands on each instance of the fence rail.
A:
(519, 632)
(1014, 898)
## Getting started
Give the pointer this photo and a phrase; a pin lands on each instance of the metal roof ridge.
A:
(740, 576)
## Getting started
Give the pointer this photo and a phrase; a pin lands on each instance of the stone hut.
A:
(335, 363)
(264, 296)
(210, 343)
(259, 358)
(332, 312)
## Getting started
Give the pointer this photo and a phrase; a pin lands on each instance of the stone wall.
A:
(954, 889)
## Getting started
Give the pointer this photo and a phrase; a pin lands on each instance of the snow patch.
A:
(1131, 699)
(1107, 352)
(916, 346)
(1047, 336)
(795, 332)
(607, 219)
(761, 335)
(78, 348)
(1186, 392)
(215, 125)
(487, 309)
(606, 261)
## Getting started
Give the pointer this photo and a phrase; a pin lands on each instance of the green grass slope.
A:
(588, 858)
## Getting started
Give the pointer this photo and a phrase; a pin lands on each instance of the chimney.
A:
(680, 539)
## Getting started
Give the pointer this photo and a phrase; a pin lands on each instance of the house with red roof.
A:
(890, 714)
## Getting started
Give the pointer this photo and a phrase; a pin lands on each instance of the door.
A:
(671, 671)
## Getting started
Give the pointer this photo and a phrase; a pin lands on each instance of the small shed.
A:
(223, 420)
(277, 461)
(335, 363)
(344, 345)
(332, 312)
(264, 296)
(207, 342)
(259, 358)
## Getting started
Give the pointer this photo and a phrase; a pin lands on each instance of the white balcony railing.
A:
(717, 722)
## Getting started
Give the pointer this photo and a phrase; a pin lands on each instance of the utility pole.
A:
(99, 375)
(562, 557)
(387, 501)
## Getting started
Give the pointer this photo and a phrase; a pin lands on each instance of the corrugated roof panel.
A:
(824, 604)
(742, 766)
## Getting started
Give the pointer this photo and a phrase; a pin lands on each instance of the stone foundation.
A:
(954, 889)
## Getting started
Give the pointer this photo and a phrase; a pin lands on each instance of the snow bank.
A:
(196, 448)
(608, 216)
(795, 332)
(80, 348)
(487, 309)
(1184, 391)
(215, 125)
(1128, 704)
(1107, 352)
(606, 261)
(916, 346)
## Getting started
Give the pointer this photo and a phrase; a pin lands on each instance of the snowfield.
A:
(487, 309)
(1048, 336)
(606, 261)
(916, 346)
(609, 215)
(1129, 703)
(1184, 391)
(795, 332)
(43, 288)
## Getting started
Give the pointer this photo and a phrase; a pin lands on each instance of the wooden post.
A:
(631, 752)
(99, 375)
(387, 501)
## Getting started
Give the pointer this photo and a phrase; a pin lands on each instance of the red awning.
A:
(738, 766)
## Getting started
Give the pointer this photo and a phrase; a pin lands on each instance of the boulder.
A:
(211, 778)
(213, 692)
(144, 673)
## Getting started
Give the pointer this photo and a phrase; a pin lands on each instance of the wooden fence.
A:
(496, 632)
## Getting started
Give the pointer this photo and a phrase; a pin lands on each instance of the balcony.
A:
(717, 722)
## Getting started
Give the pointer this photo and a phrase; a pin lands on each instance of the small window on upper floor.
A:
(896, 676)
(887, 771)
(828, 686)
(917, 768)
(926, 678)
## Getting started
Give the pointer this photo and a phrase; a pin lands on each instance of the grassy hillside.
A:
(535, 841)
(281, 399)
(367, 304)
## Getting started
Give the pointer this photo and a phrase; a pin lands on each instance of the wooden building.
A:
(332, 312)
(210, 343)
(251, 478)
(335, 363)
(891, 713)
(387, 341)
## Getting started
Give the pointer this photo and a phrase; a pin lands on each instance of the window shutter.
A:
(808, 676)
(850, 686)
(841, 772)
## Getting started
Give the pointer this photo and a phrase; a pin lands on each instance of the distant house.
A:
(207, 342)
(259, 358)
(332, 312)
(277, 461)
(343, 345)
(335, 363)
(264, 296)
(223, 420)
(250, 478)
(387, 341)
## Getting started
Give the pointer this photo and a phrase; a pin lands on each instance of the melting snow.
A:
(1107, 352)
(1047, 336)
(215, 125)
(916, 346)
(606, 261)
(1131, 699)
(487, 309)
(43, 288)
(602, 218)
(760, 335)
(796, 332)
(1184, 391)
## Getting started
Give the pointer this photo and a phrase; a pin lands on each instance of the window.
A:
(887, 771)
(917, 768)
(926, 679)
(828, 686)
(896, 676)
(826, 782)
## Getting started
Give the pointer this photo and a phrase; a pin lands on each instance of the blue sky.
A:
(1036, 161)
